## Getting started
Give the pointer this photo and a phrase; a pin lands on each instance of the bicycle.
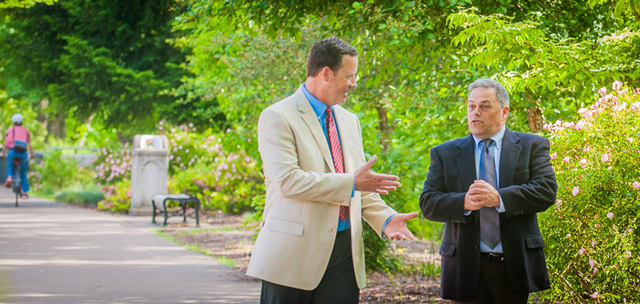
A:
(17, 181)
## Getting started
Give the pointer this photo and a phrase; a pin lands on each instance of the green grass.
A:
(227, 261)
(196, 231)
(193, 247)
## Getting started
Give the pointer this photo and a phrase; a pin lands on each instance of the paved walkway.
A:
(56, 253)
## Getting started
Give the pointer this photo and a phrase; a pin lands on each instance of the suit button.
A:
(333, 230)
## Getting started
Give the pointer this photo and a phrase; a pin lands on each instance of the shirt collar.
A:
(318, 106)
(497, 138)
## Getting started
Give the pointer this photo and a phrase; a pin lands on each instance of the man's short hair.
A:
(501, 92)
(328, 52)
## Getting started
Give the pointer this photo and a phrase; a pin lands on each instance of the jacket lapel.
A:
(466, 159)
(509, 157)
(310, 119)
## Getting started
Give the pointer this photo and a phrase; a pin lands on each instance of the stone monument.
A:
(149, 172)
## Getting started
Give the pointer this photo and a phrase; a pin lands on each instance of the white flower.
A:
(616, 85)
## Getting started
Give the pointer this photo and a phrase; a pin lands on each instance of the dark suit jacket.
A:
(527, 186)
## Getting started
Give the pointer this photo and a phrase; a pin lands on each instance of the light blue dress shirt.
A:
(497, 149)
(320, 109)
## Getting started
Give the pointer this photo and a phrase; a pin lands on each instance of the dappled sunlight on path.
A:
(55, 253)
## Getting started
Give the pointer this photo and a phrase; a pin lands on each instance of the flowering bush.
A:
(118, 197)
(57, 172)
(199, 164)
(592, 232)
(113, 165)
(222, 179)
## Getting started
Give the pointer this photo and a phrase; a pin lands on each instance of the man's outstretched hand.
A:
(369, 181)
(396, 228)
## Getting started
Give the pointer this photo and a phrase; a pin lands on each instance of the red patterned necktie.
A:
(336, 152)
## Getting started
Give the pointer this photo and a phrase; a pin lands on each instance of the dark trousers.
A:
(338, 285)
(495, 286)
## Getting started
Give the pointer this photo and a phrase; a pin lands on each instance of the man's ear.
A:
(327, 73)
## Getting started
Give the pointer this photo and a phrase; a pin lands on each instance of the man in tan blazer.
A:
(319, 186)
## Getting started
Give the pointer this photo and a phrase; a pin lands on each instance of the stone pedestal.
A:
(149, 172)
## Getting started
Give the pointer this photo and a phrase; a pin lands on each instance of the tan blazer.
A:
(304, 194)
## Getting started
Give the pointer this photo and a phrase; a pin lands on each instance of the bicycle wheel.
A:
(16, 184)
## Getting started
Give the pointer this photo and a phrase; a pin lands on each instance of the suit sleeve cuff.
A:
(385, 226)
(353, 189)
(501, 208)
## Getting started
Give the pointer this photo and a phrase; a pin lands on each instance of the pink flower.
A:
(629, 139)
(593, 243)
(583, 111)
(636, 185)
(602, 91)
(559, 202)
(575, 190)
(610, 215)
(566, 159)
(586, 149)
(592, 262)
(594, 295)
(595, 270)
(596, 226)
(580, 125)
(582, 250)
(635, 105)
(616, 85)
(583, 162)
(627, 254)
(605, 157)
(620, 107)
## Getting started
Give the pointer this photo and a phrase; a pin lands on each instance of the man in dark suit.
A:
(492, 249)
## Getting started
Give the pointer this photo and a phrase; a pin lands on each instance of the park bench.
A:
(160, 206)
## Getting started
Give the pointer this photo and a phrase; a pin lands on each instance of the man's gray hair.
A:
(501, 92)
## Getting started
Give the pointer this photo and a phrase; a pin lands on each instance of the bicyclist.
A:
(17, 140)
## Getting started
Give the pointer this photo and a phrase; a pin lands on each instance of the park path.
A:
(56, 253)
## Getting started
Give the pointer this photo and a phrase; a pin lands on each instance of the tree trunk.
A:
(55, 123)
(535, 119)
(385, 129)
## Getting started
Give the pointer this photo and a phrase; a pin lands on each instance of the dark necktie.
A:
(489, 218)
(336, 152)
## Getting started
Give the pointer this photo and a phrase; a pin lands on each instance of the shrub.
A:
(230, 182)
(204, 164)
(84, 197)
(57, 172)
(592, 233)
(117, 197)
(113, 165)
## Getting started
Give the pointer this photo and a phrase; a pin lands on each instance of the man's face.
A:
(342, 80)
(485, 115)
